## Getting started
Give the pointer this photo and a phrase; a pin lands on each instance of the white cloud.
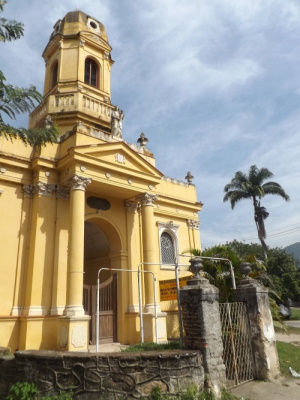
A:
(213, 84)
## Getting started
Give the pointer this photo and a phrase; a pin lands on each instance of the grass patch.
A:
(295, 314)
(150, 346)
(289, 356)
(28, 391)
(192, 393)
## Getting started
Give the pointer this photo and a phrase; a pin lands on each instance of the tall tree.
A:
(15, 100)
(254, 187)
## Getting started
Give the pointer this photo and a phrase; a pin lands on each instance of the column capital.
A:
(78, 182)
(193, 224)
(147, 199)
(131, 206)
(44, 189)
(28, 190)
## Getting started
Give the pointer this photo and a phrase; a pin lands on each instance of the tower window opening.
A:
(54, 75)
(91, 72)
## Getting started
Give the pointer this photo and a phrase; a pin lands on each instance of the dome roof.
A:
(77, 21)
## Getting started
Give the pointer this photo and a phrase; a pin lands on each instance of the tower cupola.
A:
(77, 75)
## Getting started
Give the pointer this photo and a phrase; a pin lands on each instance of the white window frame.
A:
(172, 229)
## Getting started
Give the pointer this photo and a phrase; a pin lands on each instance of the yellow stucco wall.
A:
(40, 274)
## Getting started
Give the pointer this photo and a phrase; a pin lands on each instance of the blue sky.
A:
(214, 85)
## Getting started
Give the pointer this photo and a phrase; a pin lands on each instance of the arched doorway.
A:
(98, 235)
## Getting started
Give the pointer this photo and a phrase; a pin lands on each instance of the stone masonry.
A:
(262, 332)
(201, 320)
(108, 376)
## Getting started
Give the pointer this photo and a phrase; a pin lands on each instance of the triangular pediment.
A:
(118, 156)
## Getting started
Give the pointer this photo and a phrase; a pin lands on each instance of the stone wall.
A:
(95, 376)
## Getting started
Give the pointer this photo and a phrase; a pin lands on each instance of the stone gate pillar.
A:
(262, 332)
(201, 320)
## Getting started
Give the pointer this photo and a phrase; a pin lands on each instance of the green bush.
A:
(22, 391)
(28, 391)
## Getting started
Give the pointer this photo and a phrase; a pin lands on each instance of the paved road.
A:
(295, 324)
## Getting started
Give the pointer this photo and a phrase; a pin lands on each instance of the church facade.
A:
(90, 209)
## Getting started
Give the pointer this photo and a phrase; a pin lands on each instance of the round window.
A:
(93, 25)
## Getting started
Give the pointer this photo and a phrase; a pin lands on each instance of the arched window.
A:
(90, 72)
(54, 75)
(167, 248)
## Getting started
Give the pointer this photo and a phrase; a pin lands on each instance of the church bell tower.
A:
(77, 76)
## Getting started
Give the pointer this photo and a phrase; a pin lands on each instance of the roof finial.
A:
(142, 140)
(189, 177)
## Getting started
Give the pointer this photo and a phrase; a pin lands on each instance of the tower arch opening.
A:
(91, 72)
(54, 74)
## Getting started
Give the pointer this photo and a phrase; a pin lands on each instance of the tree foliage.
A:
(253, 186)
(9, 30)
(218, 271)
(15, 100)
(281, 274)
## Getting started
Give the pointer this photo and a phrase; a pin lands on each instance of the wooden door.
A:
(108, 311)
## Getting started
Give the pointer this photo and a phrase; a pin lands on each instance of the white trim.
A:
(16, 311)
(34, 311)
(57, 310)
(74, 311)
(133, 308)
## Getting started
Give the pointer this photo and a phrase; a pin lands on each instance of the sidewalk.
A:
(282, 389)
(108, 348)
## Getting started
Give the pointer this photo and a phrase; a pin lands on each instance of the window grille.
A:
(167, 249)
(90, 72)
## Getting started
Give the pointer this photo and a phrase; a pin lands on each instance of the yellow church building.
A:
(90, 202)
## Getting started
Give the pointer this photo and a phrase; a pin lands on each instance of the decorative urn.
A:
(245, 269)
(196, 266)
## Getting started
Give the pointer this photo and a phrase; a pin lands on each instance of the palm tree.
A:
(252, 186)
(15, 100)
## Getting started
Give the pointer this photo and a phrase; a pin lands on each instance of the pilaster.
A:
(19, 291)
(41, 248)
(134, 248)
(194, 234)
